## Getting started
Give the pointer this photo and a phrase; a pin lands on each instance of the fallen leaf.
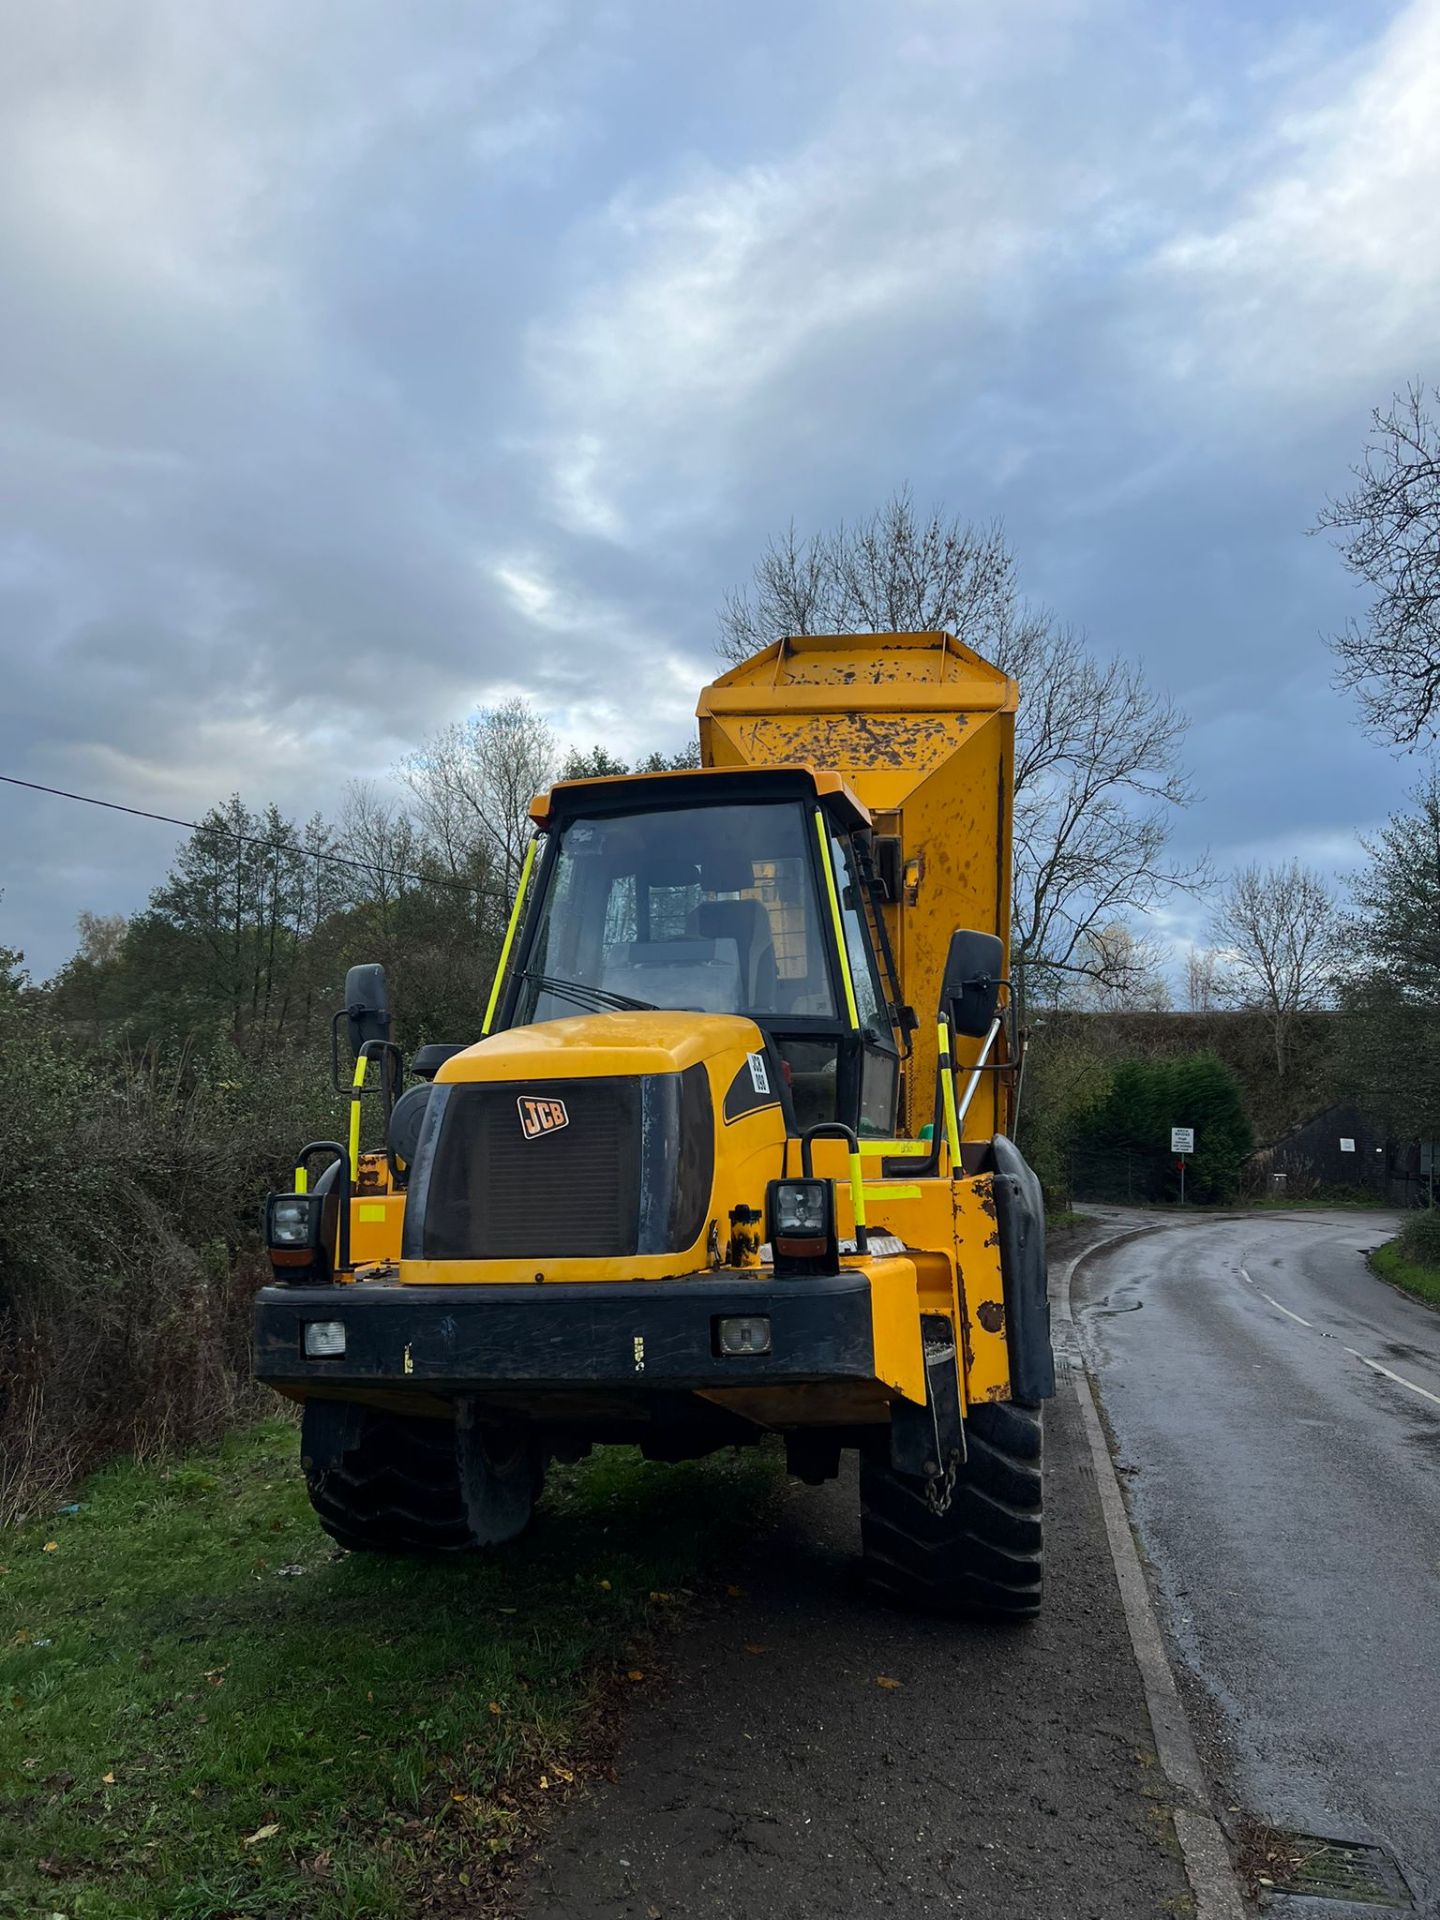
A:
(494, 1706)
(107, 1779)
(884, 1680)
(605, 1586)
(752, 1647)
(662, 1596)
(460, 1797)
(22, 1636)
(544, 1784)
(51, 1546)
(261, 1833)
(564, 1773)
(635, 1674)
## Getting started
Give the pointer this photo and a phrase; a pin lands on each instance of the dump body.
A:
(922, 730)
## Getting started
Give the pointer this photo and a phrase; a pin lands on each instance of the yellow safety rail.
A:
(509, 941)
(947, 1091)
(857, 1195)
(357, 1088)
(833, 892)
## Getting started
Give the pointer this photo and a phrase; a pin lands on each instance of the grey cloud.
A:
(360, 361)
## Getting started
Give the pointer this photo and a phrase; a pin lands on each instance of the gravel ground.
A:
(813, 1755)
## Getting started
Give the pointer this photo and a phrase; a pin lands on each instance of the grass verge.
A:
(206, 1709)
(1393, 1263)
(1063, 1219)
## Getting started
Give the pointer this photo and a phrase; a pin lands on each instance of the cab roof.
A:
(694, 787)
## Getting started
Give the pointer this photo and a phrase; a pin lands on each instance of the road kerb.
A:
(1207, 1859)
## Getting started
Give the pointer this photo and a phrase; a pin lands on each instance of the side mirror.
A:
(367, 1006)
(970, 990)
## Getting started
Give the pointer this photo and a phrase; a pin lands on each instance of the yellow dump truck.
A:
(728, 1158)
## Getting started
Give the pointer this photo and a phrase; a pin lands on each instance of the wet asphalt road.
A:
(1010, 1774)
(1287, 1497)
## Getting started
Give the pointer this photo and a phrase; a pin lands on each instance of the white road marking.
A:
(1275, 1303)
(1355, 1352)
(1399, 1379)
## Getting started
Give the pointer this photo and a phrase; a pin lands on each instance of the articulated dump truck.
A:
(729, 1155)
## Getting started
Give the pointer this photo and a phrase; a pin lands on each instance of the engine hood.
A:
(602, 1045)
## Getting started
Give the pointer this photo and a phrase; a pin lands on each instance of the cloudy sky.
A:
(360, 362)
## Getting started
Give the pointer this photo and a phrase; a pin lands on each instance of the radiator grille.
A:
(499, 1193)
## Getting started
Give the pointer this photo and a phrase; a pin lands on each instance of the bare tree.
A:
(381, 839)
(893, 573)
(1098, 771)
(1202, 980)
(1389, 538)
(473, 783)
(1278, 932)
(1124, 973)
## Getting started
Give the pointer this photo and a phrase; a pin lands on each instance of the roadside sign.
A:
(1182, 1140)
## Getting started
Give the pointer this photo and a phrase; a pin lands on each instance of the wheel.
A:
(982, 1555)
(389, 1483)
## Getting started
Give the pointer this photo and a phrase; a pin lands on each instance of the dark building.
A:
(1340, 1148)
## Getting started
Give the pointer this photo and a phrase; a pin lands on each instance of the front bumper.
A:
(645, 1335)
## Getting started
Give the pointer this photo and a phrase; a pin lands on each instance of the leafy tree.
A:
(598, 763)
(13, 977)
(1147, 1098)
(1388, 1042)
(594, 763)
(685, 760)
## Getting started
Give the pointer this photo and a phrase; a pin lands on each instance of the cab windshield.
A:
(711, 909)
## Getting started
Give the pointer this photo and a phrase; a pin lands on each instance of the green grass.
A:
(1338, 1199)
(192, 1662)
(1063, 1218)
(1392, 1264)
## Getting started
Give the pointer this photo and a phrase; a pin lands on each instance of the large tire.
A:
(417, 1486)
(984, 1554)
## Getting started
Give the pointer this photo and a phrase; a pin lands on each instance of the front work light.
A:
(294, 1234)
(743, 1334)
(800, 1215)
(324, 1339)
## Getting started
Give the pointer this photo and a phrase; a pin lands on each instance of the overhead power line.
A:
(249, 839)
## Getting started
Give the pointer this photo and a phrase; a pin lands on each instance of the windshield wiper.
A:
(582, 994)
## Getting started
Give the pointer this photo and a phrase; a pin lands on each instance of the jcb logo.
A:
(541, 1116)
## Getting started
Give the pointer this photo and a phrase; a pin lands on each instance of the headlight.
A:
(290, 1223)
(800, 1208)
(801, 1219)
(324, 1339)
(294, 1235)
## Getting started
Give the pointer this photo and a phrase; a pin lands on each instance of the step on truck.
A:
(727, 1158)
